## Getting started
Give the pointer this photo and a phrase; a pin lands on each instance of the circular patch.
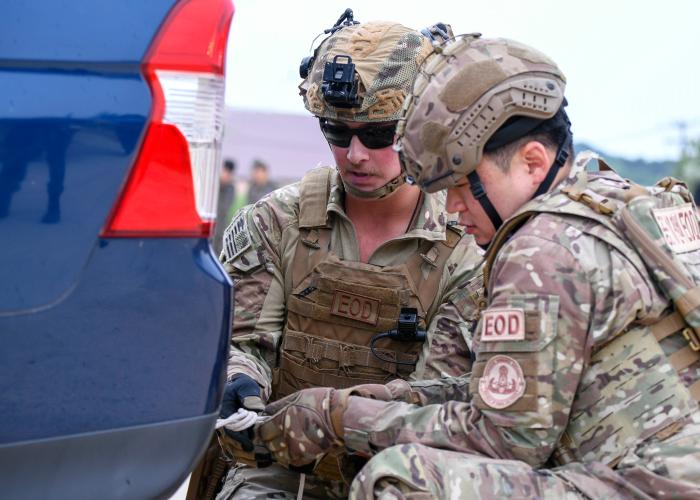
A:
(502, 383)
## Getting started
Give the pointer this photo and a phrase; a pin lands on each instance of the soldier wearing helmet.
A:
(587, 370)
(325, 269)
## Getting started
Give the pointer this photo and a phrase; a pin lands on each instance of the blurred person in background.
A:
(227, 196)
(260, 183)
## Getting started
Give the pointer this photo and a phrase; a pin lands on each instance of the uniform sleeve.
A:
(454, 315)
(251, 258)
(525, 374)
(435, 391)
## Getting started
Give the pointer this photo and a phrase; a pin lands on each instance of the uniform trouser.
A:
(415, 472)
(247, 483)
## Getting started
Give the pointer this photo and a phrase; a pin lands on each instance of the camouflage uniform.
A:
(582, 401)
(587, 368)
(266, 235)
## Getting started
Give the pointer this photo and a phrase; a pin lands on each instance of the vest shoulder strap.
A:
(314, 234)
(499, 240)
(434, 255)
(313, 197)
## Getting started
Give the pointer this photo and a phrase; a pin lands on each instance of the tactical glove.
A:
(304, 426)
(241, 392)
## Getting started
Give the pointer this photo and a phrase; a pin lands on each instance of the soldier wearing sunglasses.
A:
(325, 268)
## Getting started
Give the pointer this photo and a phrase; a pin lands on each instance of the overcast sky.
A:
(632, 66)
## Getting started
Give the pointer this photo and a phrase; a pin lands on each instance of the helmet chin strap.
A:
(559, 161)
(479, 192)
(378, 193)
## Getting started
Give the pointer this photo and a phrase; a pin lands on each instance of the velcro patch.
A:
(679, 226)
(357, 307)
(502, 383)
(498, 325)
(237, 239)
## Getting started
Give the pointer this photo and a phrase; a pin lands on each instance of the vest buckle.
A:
(693, 339)
(564, 451)
(431, 256)
(311, 239)
(346, 359)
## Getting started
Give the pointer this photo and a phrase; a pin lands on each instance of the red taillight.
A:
(173, 185)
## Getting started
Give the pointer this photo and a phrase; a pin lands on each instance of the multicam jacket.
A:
(566, 368)
(262, 240)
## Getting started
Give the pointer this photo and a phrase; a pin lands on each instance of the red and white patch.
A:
(502, 383)
(498, 325)
(679, 226)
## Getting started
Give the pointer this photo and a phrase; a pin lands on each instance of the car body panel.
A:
(113, 350)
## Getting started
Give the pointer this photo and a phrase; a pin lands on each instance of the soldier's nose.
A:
(357, 152)
(455, 202)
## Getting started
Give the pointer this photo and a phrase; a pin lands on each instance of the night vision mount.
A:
(339, 85)
(346, 19)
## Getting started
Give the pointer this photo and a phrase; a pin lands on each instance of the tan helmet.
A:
(363, 73)
(386, 57)
(461, 99)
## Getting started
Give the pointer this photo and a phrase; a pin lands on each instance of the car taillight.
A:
(172, 188)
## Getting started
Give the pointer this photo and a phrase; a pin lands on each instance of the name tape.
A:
(357, 307)
(498, 325)
(679, 226)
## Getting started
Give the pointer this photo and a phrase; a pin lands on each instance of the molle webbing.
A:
(685, 303)
(312, 378)
(667, 326)
(627, 395)
(325, 289)
(624, 215)
(336, 306)
(313, 248)
(685, 356)
(346, 355)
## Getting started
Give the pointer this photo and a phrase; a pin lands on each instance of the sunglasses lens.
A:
(335, 135)
(377, 137)
(372, 137)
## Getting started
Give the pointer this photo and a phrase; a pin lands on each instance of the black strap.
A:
(513, 129)
(559, 161)
(479, 193)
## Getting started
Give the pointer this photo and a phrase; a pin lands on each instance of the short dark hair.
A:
(229, 165)
(551, 133)
(257, 163)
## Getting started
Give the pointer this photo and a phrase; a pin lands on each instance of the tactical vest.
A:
(336, 306)
(644, 383)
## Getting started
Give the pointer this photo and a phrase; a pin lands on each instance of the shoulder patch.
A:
(679, 227)
(502, 383)
(500, 325)
(237, 239)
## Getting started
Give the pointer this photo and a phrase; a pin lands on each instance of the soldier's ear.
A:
(536, 160)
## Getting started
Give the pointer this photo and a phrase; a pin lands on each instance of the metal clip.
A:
(306, 291)
(431, 256)
(310, 243)
(692, 337)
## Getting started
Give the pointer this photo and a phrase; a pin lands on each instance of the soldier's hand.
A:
(304, 426)
(241, 392)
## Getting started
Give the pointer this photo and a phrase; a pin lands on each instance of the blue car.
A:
(114, 312)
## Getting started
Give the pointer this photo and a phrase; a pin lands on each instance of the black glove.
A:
(241, 392)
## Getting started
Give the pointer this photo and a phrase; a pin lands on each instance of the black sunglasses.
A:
(371, 136)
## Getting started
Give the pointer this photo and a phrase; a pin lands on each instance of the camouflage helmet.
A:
(386, 57)
(461, 99)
